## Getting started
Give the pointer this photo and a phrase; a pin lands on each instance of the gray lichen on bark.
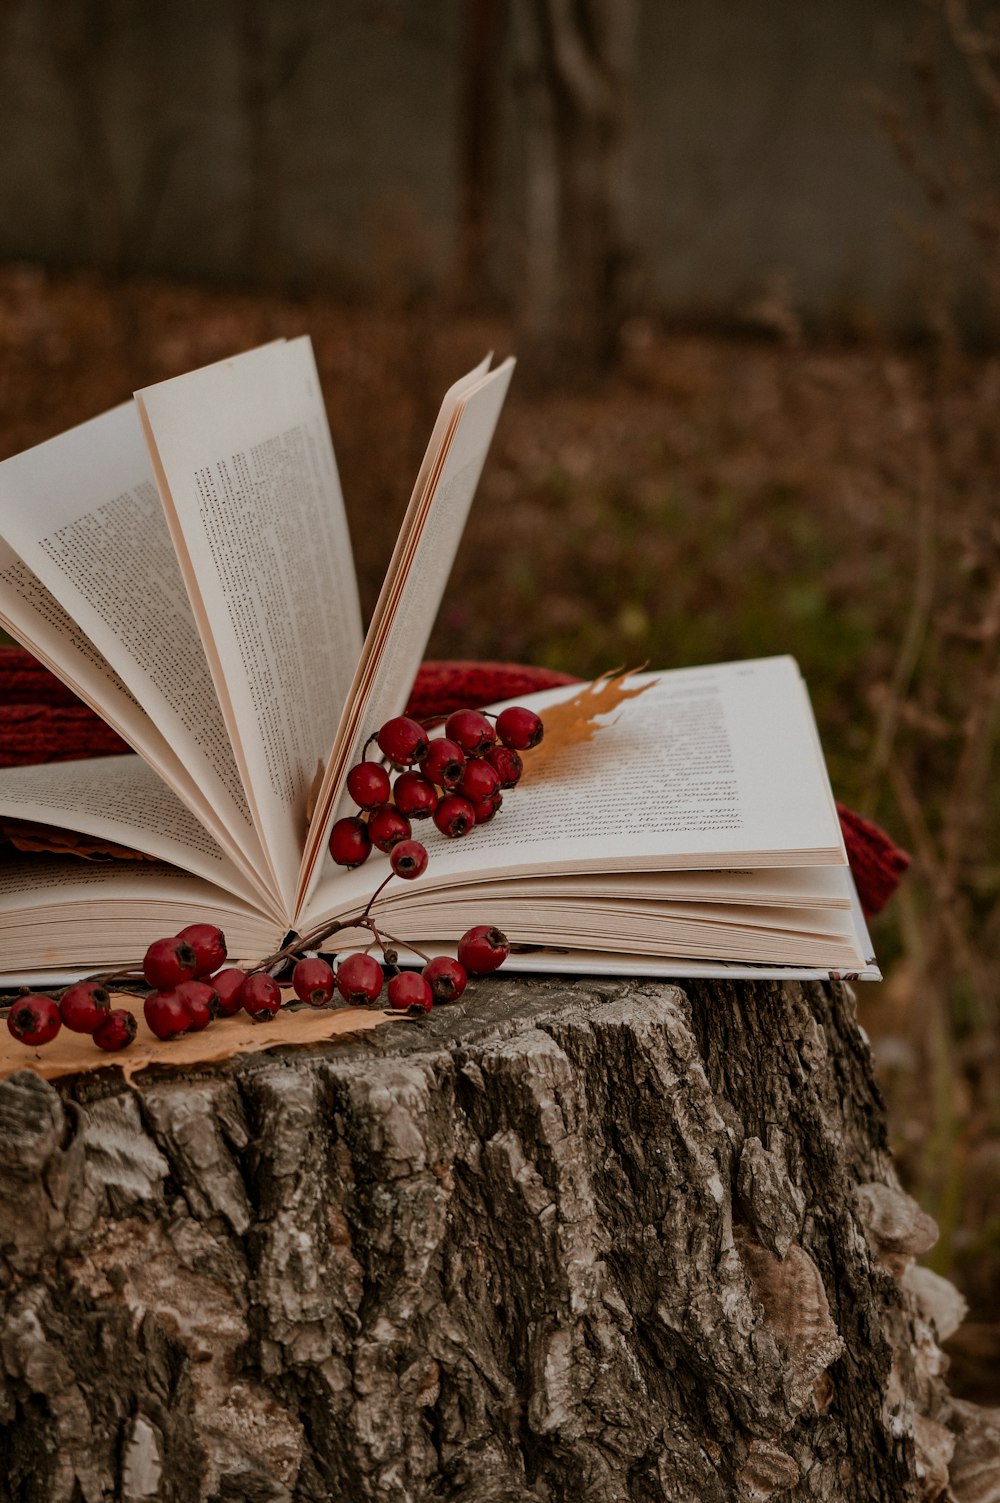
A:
(589, 1241)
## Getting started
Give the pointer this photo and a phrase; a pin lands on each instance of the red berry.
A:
(519, 728)
(403, 741)
(479, 780)
(168, 962)
(408, 990)
(448, 978)
(454, 816)
(166, 1014)
(414, 795)
(483, 949)
(485, 811)
(472, 731)
(369, 785)
(209, 945)
(228, 989)
(408, 859)
(116, 1031)
(506, 764)
(444, 763)
(34, 1019)
(359, 979)
(350, 843)
(261, 996)
(387, 827)
(313, 981)
(202, 1002)
(84, 1007)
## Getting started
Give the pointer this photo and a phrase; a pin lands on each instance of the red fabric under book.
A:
(43, 721)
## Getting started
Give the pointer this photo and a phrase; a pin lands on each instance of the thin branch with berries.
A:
(456, 779)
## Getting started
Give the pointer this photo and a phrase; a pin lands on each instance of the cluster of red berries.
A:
(183, 1000)
(458, 780)
(359, 978)
(191, 987)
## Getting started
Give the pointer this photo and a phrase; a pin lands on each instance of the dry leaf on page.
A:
(77, 1054)
(578, 719)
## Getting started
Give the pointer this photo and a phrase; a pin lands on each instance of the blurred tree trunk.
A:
(481, 47)
(574, 63)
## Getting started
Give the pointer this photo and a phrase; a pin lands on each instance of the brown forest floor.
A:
(715, 499)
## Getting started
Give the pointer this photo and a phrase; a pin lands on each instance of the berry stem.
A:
(382, 935)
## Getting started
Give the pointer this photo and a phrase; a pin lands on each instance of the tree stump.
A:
(586, 1241)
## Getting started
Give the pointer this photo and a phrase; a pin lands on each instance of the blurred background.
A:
(748, 255)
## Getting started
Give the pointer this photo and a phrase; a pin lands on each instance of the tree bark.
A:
(573, 67)
(566, 1241)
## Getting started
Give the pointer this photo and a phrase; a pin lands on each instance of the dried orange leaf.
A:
(76, 1054)
(576, 720)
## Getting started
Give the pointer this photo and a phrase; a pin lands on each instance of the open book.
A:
(183, 563)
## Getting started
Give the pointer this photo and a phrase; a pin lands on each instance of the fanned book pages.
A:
(183, 564)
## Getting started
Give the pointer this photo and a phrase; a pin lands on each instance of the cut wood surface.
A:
(588, 1241)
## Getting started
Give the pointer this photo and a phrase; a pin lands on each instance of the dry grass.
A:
(715, 499)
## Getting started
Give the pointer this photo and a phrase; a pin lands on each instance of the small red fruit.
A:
(410, 992)
(408, 859)
(166, 1014)
(34, 1019)
(444, 763)
(506, 764)
(202, 1002)
(485, 811)
(369, 785)
(261, 996)
(359, 979)
(387, 827)
(519, 728)
(479, 780)
(454, 816)
(472, 731)
(116, 1030)
(313, 981)
(209, 945)
(168, 962)
(84, 1007)
(448, 978)
(350, 843)
(483, 949)
(229, 989)
(414, 795)
(403, 741)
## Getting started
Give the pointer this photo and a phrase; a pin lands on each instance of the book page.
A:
(83, 513)
(397, 640)
(59, 914)
(710, 767)
(246, 468)
(36, 619)
(122, 800)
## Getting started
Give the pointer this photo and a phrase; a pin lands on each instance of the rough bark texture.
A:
(589, 1241)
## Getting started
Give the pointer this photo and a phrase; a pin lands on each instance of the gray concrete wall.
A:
(125, 133)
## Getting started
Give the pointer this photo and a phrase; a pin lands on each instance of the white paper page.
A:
(395, 655)
(60, 914)
(83, 513)
(789, 887)
(250, 484)
(429, 468)
(709, 767)
(122, 800)
(36, 619)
